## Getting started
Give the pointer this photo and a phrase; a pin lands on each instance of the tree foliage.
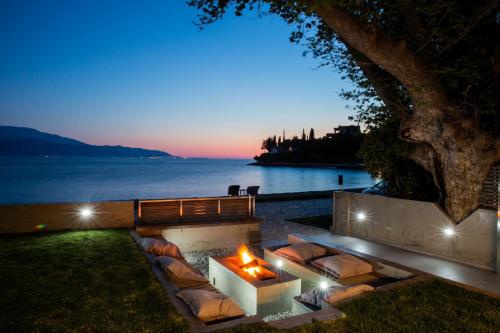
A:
(311, 134)
(336, 149)
(387, 158)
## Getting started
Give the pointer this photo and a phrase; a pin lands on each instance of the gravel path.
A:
(276, 213)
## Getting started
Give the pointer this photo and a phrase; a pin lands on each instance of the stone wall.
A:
(418, 226)
(60, 216)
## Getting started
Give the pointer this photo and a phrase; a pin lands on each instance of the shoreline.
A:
(264, 197)
(306, 195)
(310, 165)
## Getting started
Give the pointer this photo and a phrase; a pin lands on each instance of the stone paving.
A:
(276, 213)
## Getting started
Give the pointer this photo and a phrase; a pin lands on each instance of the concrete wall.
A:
(60, 216)
(210, 236)
(418, 226)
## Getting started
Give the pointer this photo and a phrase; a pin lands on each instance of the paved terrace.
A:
(275, 228)
(276, 213)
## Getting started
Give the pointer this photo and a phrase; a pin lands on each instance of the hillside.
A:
(23, 141)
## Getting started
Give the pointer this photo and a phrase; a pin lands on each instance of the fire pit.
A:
(247, 263)
(257, 286)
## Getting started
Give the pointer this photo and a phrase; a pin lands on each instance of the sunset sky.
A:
(142, 74)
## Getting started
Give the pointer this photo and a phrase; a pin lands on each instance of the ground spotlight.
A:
(323, 285)
(279, 263)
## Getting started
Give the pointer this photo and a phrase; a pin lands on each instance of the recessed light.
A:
(449, 231)
(86, 212)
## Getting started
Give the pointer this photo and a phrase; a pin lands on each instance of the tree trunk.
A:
(450, 145)
(459, 165)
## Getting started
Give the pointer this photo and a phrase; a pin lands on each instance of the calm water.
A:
(35, 180)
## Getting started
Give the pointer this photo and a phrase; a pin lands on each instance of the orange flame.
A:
(245, 255)
(246, 258)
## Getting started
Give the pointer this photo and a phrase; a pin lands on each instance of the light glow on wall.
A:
(86, 212)
(361, 216)
(449, 232)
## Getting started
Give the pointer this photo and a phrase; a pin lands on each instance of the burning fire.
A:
(249, 263)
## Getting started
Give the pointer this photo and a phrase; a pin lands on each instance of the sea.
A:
(75, 179)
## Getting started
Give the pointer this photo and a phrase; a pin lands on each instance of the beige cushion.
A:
(161, 247)
(210, 305)
(343, 265)
(181, 274)
(333, 294)
(301, 252)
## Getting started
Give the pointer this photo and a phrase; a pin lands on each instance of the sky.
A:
(141, 74)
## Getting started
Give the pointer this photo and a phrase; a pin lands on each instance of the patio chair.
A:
(233, 190)
(253, 190)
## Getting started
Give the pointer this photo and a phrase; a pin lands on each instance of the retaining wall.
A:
(210, 236)
(418, 226)
(60, 216)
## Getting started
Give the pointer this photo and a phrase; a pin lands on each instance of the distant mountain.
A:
(23, 141)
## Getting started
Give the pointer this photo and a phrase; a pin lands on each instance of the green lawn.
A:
(85, 281)
(97, 281)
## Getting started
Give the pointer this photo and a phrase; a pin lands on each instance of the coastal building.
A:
(352, 130)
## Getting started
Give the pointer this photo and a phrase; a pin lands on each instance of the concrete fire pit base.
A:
(256, 297)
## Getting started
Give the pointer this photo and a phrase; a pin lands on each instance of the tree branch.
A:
(474, 20)
(394, 57)
(382, 82)
(413, 22)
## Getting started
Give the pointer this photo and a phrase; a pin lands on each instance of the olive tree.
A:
(432, 66)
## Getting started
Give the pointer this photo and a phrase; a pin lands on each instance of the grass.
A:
(84, 281)
(432, 306)
(322, 221)
(98, 281)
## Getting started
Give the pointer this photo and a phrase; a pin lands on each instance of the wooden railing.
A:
(178, 210)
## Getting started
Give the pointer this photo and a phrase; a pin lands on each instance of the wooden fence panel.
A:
(179, 210)
(159, 211)
(200, 209)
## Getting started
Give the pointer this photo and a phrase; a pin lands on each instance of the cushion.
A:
(343, 265)
(333, 294)
(210, 305)
(181, 274)
(161, 247)
(313, 297)
(301, 252)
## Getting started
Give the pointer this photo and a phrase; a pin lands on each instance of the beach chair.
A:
(253, 190)
(233, 190)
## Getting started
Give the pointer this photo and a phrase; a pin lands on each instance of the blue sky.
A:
(142, 74)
